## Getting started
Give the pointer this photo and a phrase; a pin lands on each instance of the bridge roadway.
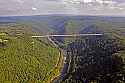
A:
(67, 35)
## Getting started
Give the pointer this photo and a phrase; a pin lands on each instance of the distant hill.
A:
(62, 24)
(65, 24)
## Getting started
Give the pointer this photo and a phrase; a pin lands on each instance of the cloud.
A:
(34, 8)
(74, 7)
(20, 1)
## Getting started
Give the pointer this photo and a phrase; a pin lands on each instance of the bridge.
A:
(67, 35)
(56, 45)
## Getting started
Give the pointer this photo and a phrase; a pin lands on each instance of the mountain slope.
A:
(24, 59)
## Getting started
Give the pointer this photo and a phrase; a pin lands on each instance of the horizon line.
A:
(100, 15)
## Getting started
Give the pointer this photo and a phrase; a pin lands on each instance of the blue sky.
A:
(74, 7)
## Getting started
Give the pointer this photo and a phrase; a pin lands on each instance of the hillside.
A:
(96, 59)
(24, 59)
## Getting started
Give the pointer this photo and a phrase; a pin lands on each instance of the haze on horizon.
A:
(73, 7)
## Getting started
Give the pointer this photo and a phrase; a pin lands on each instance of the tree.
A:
(93, 58)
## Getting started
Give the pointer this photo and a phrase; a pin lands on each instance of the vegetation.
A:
(55, 73)
(95, 59)
(24, 59)
(90, 59)
(74, 26)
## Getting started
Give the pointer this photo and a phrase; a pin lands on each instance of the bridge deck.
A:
(69, 35)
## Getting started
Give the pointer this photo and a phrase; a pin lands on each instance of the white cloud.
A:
(87, 1)
(121, 8)
(117, 8)
(34, 8)
(20, 1)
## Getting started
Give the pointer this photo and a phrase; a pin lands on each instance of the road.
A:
(67, 35)
(66, 64)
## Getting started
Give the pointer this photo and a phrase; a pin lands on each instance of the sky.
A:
(72, 7)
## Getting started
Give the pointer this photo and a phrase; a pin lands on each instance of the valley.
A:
(62, 49)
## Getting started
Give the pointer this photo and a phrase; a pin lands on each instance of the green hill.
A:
(24, 59)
